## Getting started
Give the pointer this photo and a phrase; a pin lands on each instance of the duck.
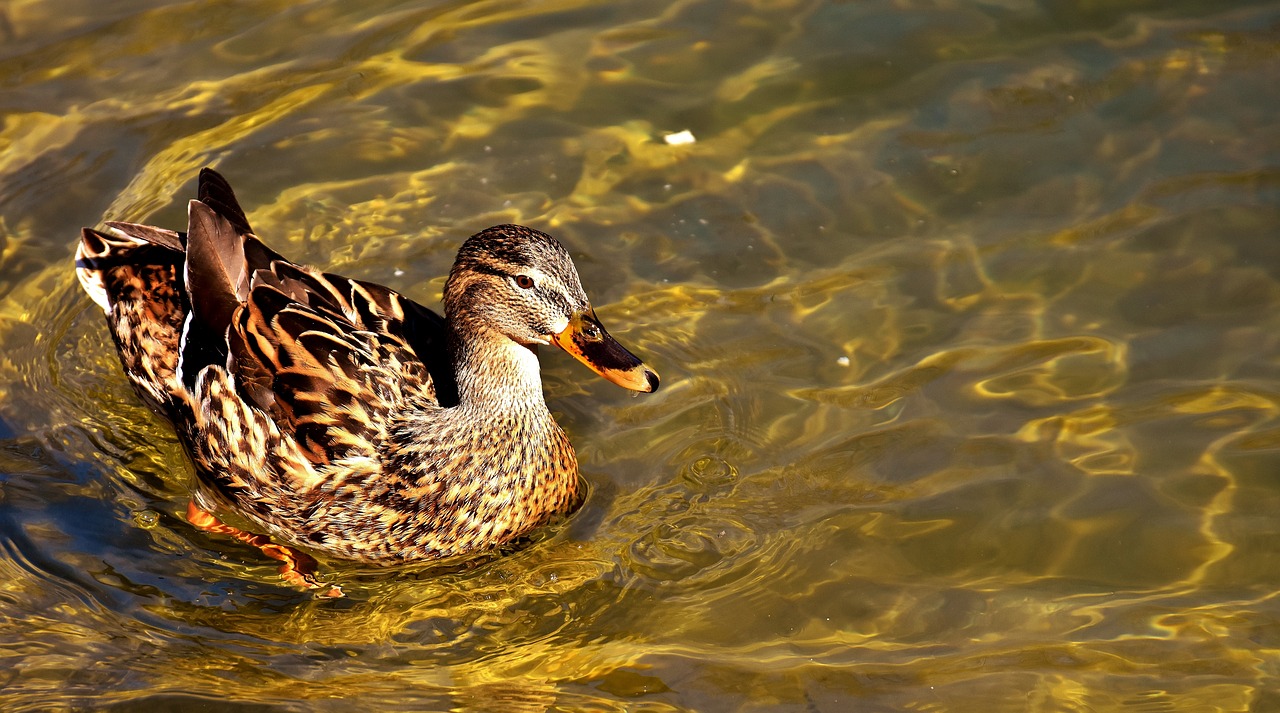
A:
(333, 416)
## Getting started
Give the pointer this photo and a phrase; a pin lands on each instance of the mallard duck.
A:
(335, 415)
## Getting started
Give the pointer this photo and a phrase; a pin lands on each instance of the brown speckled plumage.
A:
(337, 415)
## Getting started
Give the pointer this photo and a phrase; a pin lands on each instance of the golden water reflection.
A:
(966, 315)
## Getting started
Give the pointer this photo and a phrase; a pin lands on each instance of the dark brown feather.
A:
(217, 272)
(151, 234)
(214, 191)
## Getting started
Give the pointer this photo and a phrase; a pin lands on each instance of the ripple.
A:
(965, 314)
(688, 547)
(709, 473)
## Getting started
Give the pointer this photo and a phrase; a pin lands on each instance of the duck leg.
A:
(299, 568)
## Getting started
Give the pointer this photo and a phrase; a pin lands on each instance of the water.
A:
(966, 315)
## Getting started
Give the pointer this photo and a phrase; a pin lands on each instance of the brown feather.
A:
(217, 272)
(149, 234)
(214, 191)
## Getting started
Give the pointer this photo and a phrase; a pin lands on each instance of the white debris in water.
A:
(398, 272)
(843, 361)
(680, 138)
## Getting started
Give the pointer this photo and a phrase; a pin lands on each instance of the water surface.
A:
(966, 315)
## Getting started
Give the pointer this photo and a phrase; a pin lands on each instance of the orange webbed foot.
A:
(298, 568)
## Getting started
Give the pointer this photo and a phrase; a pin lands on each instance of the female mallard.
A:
(336, 414)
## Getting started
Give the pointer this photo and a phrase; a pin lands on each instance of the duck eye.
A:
(524, 281)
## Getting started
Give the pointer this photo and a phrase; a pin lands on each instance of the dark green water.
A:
(966, 314)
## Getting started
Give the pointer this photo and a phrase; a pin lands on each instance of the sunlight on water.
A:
(966, 316)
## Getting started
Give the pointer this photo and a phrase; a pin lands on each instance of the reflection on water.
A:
(966, 315)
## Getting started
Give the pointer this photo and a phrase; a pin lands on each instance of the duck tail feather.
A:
(217, 281)
(138, 232)
(92, 248)
(214, 191)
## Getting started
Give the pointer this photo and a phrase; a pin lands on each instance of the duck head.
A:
(521, 283)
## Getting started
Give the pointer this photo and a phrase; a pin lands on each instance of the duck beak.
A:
(586, 340)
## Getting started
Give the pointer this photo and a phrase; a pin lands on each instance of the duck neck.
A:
(495, 374)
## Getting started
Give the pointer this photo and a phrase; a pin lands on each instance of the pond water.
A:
(966, 314)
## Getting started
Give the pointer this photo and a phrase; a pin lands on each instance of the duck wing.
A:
(328, 358)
